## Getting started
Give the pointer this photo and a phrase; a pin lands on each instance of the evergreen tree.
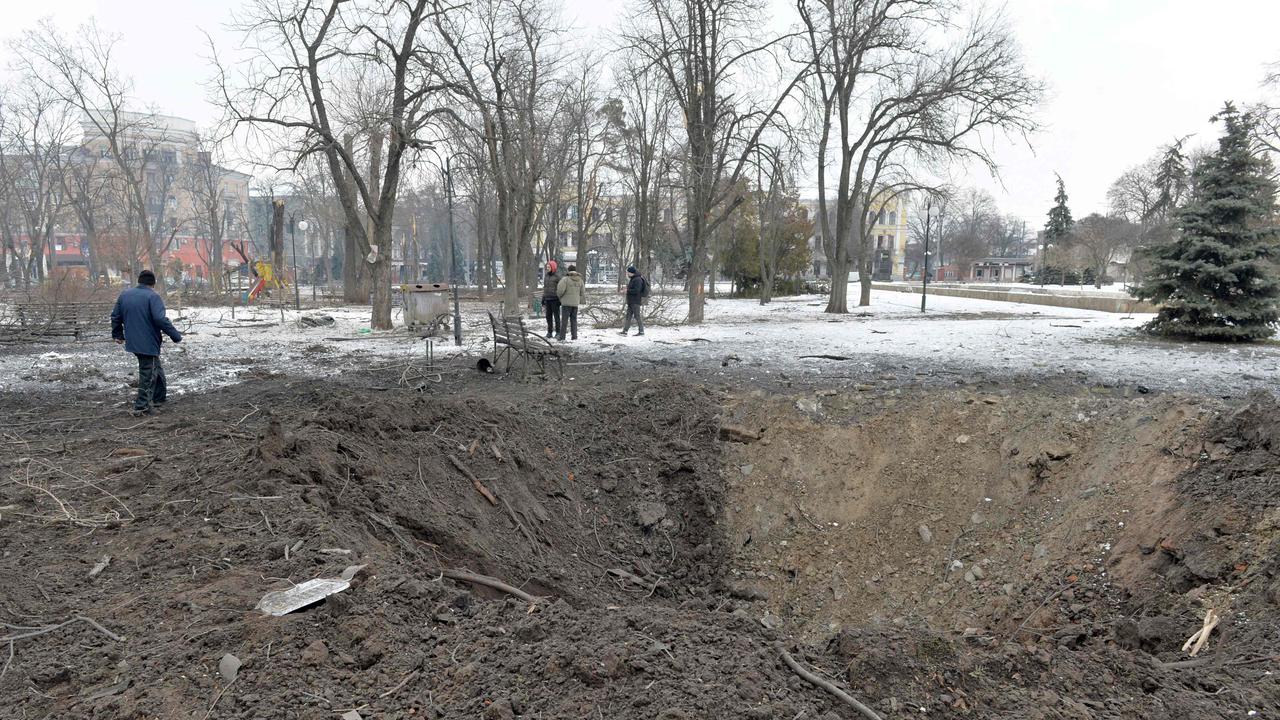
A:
(1057, 230)
(1059, 225)
(1170, 181)
(1214, 279)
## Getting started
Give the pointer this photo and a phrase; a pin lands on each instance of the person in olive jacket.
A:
(136, 322)
(569, 290)
(550, 300)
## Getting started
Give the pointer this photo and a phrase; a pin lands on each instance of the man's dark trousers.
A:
(552, 306)
(633, 311)
(568, 321)
(151, 385)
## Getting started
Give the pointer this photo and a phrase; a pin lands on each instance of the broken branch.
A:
(493, 500)
(816, 681)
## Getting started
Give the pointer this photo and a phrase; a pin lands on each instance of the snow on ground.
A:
(956, 334)
(997, 337)
(1110, 290)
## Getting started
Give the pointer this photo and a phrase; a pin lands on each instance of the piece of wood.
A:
(1196, 642)
(816, 681)
(487, 581)
(479, 486)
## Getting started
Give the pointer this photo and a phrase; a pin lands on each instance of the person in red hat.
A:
(550, 300)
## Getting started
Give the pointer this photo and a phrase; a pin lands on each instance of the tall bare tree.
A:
(294, 93)
(900, 85)
(1101, 238)
(706, 52)
(35, 136)
(505, 66)
(80, 70)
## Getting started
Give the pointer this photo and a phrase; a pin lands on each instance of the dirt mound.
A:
(580, 550)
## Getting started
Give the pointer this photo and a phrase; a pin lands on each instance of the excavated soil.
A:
(1026, 552)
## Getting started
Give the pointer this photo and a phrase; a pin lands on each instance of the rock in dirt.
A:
(500, 710)
(649, 514)
(1059, 451)
(229, 666)
(926, 535)
(962, 439)
(100, 566)
(738, 434)
(317, 653)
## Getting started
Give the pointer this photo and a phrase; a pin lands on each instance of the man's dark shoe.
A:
(639, 333)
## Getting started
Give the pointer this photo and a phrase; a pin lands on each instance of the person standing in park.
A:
(637, 293)
(550, 300)
(136, 322)
(570, 290)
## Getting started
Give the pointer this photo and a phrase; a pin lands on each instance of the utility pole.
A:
(928, 223)
(293, 242)
(453, 255)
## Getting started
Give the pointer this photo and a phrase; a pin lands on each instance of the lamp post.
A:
(928, 223)
(293, 241)
(453, 256)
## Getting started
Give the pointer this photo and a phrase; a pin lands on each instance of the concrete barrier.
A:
(1075, 302)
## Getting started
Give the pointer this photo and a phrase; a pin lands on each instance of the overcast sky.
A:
(1125, 76)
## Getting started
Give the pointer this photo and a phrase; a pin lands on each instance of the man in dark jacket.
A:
(136, 322)
(637, 291)
(550, 300)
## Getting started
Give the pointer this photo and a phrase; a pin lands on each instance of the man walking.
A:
(637, 293)
(136, 322)
(550, 300)
(569, 290)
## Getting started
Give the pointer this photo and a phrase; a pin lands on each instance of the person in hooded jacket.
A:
(136, 322)
(550, 300)
(570, 290)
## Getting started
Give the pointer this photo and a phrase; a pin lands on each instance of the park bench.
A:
(46, 319)
(515, 343)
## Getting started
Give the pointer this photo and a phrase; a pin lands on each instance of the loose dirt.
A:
(937, 551)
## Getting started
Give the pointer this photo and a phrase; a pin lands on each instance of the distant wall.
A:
(1077, 302)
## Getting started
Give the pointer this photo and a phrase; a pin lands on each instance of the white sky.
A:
(1125, 76)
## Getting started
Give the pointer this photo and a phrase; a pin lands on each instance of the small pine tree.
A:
(1057, 230)
(1059, 225)
(1214, 279)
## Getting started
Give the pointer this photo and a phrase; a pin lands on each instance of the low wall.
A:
(1076, 302)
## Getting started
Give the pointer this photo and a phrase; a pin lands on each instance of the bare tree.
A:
(291, 93)
(80, 70)
(900, 84)
(1101, 238)
(505, 64)
(34, 138)
(640, 153)
(704, 51)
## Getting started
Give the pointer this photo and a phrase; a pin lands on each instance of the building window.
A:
(893, 217)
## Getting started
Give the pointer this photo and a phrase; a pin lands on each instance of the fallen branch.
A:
(816, 681)
(490, 582)
(399, 685)
(493, 500)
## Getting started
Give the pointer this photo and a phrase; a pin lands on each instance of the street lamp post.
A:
(293, 241)
(928, 223)
(453, 256)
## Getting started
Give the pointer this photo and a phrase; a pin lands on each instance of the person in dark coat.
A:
(637, 291)
(136, 322)
(550, 300)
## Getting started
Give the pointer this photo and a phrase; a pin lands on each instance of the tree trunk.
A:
(352, 290)
(838, 302)
(380, 271)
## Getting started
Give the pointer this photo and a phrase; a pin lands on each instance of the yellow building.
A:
(889, 240)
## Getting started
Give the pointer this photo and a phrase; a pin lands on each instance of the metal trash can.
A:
(426, 306)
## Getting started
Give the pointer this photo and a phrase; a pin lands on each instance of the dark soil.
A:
(610, 512)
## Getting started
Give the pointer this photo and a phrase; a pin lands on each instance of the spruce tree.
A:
(1214, 278)
(1057, 230)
